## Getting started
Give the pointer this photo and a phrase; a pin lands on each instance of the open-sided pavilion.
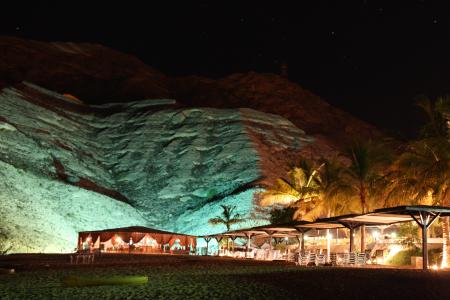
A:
(423, 215)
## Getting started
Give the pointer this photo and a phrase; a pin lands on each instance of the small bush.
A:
(403, 258)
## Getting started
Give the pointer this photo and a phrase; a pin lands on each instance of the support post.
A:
(302, 239)
(328, 245)
(351, 239)
(207, 239)
(302, 245)
(425, 220)
(299, 240)
(233, 237)
(424, 247)
(351, 227)
(218, 239)
(363, 238)
(249, 238)
(270, 242)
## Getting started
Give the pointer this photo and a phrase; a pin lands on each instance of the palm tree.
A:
(299, 190)
(333, 191)
(282, 214)
(365, 173)
(425, 166)
(227, 218)
(438, 115)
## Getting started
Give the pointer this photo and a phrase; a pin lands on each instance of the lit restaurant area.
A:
(136, 240)
(331, 241)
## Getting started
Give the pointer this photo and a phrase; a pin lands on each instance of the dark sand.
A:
(193, 277)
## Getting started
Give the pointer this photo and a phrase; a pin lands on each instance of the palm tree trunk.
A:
(445, 243)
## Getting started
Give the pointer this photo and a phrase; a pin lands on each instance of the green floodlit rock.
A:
(66, 167)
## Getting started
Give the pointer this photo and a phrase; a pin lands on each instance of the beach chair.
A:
(345, 258)
(260, 253)
(320, 259)
(290, 256)
(352, 258)
(361, 259)
(312, 259)
(276, 255)
(333, 259)
(303, 259)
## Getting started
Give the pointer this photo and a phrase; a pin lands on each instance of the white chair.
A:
(352, 258)
(312, 259)
(320, 259)
(260, 253)
(304, 259)
(333, 259)
(276, 255)
(361, 259)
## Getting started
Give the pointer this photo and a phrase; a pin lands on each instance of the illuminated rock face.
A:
(69, 167)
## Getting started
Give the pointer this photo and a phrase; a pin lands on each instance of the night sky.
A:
(370, 58)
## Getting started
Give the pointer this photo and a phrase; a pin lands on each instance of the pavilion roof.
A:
(384, 216)
(140, 229)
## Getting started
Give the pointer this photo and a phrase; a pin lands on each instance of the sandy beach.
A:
(193, 277)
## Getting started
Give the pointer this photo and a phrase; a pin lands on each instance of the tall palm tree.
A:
(334, 194)
(228, 217)
(426, 164)
(438, 115)
(365, 173)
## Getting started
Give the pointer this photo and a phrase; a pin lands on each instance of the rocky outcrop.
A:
(162, 163)
(98, 74)
(159, 164)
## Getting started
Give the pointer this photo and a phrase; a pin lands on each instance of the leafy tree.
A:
(334, 194)
(365, 175)
(281, 214)
(425, 166)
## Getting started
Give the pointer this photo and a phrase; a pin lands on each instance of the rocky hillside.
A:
(98, 74)
(76, 154)
(68, 167)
